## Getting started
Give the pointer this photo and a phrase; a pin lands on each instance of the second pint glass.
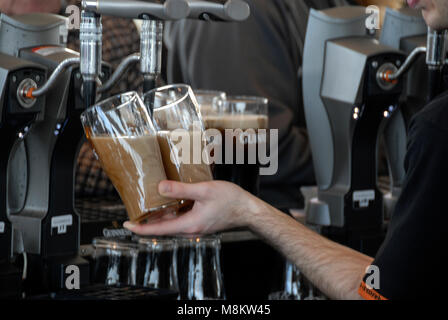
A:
(243, 123)
(180, 132)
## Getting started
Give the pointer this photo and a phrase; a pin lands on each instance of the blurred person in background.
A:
(262, 57)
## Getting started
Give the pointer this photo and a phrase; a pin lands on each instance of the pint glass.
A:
(243, 122)
(123, 137)
(180, 133)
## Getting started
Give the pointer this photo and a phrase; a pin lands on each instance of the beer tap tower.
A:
(347, 98)
(17, 116)
(40, 174)
(40, 179)
(347, 107)
(153, 16)
(404, 30)
(41, 129)
(43, 211)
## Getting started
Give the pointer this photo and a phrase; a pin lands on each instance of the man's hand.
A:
(335, 270)
(218, 206)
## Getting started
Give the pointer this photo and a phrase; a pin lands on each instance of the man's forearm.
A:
(336, 270)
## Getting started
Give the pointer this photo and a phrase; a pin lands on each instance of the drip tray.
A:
(117, 292)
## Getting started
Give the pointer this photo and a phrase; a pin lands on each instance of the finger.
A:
(169, 216)
(162, 227)
(166, 216)
(178, 190)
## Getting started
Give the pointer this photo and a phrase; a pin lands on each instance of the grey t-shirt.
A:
(261, 56)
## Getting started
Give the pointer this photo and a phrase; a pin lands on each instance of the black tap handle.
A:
(219, 10)
(156, 9)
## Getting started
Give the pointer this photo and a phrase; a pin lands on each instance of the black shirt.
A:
(411, 261)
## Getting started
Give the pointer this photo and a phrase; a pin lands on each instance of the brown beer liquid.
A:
(245, 175)
(135, 167)
(178, 170)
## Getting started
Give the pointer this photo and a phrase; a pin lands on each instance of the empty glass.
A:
(199, 268)
(123, 137)
(296, 286)
(114, 261)
(156, 266)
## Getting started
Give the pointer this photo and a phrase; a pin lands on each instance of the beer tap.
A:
(346, 113)
(221, 10)
(436, 60)
(403, 30)
(153, 14)
(91, 46)
(90, 61)
(17, 116)
(345, 106)
(151, 44)
(406, 30)
(21, 114)
(40, 178)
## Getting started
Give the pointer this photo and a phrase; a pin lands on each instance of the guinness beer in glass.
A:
(243, 124)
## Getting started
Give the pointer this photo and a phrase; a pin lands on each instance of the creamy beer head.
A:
(236, 121)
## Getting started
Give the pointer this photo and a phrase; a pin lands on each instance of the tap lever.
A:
(119, 72)
(156, 9)
(34, 92)
(219, 10)
(435, 56)
(392, 75)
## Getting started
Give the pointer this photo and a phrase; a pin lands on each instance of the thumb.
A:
(179, 190)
